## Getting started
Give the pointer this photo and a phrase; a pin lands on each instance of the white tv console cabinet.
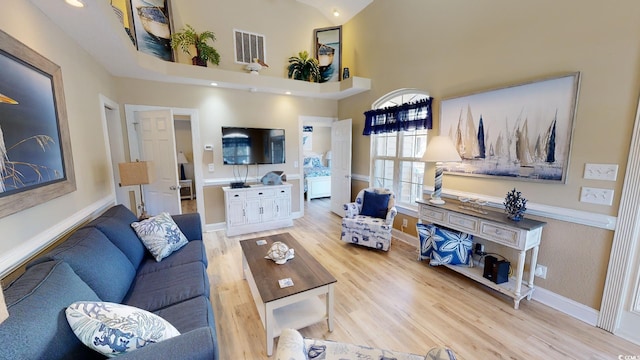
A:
(257, 208)
(494, 226)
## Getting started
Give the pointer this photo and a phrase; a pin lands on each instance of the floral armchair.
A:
(369, 220)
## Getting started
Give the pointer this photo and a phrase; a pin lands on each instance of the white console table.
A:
(523, 235)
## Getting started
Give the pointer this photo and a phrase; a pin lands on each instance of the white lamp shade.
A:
(441, 149)
(4, 313)
(182, 159)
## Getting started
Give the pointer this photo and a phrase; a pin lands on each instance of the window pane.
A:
(411, 179)
(391, 146)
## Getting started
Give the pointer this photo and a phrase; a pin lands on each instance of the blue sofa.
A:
(106, 261)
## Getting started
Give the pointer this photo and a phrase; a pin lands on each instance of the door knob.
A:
(173, 187)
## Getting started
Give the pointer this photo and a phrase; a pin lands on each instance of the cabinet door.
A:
(283, 207)
(236, 214)
(253, 211)
(268, 209)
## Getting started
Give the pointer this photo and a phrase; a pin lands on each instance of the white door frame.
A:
(130, 109)
(620, 294)
(110, 113)
(308, 121)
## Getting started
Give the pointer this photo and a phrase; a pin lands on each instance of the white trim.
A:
(106, 103)
(552, 212)
(360, 177)
(565, 305)
(543, 296)
(18, 255)
(250, 179)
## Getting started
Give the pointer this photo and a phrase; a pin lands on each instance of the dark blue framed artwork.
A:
(153, 27)
(328, 48)
(36, 163)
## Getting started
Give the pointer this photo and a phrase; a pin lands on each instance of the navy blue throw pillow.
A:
(375, 205)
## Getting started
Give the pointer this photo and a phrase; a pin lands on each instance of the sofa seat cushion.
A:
(159, 289)
(193, 251)
(189, 315)
(97, 261)
(115, 223)
(113, 329)
(37, 327)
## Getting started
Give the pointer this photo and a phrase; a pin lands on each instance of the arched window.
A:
(396, 158)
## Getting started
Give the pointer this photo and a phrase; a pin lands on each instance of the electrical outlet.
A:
(479, 249)
(405, 222)
(541, 271)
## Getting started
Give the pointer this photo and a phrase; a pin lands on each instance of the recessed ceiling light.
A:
(214, 84)
(336, 13)
(76, 3)
(288, 92)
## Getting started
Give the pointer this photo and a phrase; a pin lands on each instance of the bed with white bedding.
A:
(317, 178)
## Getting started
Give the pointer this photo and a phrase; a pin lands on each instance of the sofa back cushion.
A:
(37, 327)
(115, 224)
(97, 261)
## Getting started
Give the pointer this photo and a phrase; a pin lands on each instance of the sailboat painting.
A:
(521, 132)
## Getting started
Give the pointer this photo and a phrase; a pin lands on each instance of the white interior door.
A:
(340, 165)
(157, 144)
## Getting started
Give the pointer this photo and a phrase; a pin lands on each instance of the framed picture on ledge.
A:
(521, 132)
(153, 27)
(328, 51)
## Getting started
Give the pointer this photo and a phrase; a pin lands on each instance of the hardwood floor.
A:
(390, 300)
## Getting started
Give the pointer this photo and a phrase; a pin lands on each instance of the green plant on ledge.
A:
(188, 37)
(303, 67)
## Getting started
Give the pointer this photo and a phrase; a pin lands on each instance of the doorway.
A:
(185, 126)
(315, 158)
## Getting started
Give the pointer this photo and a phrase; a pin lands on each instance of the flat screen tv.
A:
(244, 146)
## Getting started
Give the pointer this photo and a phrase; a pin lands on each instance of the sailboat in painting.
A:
(511, 152)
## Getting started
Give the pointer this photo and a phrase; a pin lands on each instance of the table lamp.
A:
(4, 313)
(182, 160)
(137, 173)
(439, 149)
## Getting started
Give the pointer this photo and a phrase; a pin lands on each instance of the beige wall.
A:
(287, 26)
(221, 107)
(83, 81)
(453, 48)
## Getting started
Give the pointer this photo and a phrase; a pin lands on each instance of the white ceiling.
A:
(346, 8)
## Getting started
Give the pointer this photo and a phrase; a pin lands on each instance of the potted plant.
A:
(188, 37)
(303, 67)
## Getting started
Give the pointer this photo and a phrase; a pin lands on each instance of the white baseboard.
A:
(566, 305)
(544, 296)
(20, 254)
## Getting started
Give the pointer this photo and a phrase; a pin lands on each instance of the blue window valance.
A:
(405, 117)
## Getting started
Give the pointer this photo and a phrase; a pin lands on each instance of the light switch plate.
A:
(607, 172)
(596, 196)
(212, 168)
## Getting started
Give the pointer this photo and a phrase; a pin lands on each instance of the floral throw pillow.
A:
(451, 247)
(113, 329)
(160, 235)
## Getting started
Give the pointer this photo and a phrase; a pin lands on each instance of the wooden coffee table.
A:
(296, 306)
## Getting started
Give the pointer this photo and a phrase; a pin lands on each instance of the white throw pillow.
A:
(160, 235)
(112, 329)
